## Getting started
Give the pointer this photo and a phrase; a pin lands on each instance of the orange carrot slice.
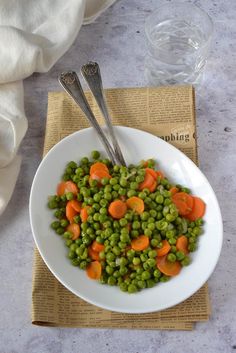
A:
(136, 204)
(148, 181)
(74, 228)
(98, 166)
(198, 209)
(117, 209)
(73, 207)
(153, 187)
(93, 254)
(182, 244)
(84, 213)
(167, 267)
(152, 172)
(183, 202)
(99, 174)
(67, 186)
(164, 249)
(140, 243)
(97, 246)
(94, 270)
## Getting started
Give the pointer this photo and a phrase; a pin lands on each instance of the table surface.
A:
(116, 40)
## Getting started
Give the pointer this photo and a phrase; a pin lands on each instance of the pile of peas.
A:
(130, 270)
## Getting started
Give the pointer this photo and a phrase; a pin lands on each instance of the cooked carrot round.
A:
(73, 207)
(98, 166)
(99, 174)
(67, 186)
(94, 270)
(183, 202)
(140, 243)
(117, 209)
(136, 204)
(164, 249)
(93, 254)
(74, 228)
(84, 213)
(182, 244)
(148, 181)
(167, 267)
(198, 209)
(97, 246)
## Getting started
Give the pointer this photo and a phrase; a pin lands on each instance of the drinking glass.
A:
(178, 41)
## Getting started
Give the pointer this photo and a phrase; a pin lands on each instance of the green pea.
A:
(150, 283)
(83, 265)
(123, 222)
(152, 253)
(52, 204)
(123, 261)
(144, 216)
(171, 257)
(122, 191)
(111, 281)
(151, 226)
(151, 263)
(154, 242)
(186, 261)
(132, 288)
(159, 199)
(124, 238)
(136, 225)
(141, 284)
(97, 197)
(136, 261)
(157, 273)
(143, 257)
(192, 247)
(145, 275)
(109, 270)
(71, 254)
(95, 154)
(60, 230)
(75, 261)
(123, 286)
(55, 225)
(148, 232)
(172, 241)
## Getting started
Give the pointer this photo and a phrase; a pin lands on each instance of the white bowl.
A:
(136, 145)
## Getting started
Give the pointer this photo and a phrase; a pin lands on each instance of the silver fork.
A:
(71, 84)
(92, 75)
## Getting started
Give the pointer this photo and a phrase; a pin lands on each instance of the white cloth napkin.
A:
(34, 34)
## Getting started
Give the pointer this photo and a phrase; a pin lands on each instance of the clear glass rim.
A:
(179, 4)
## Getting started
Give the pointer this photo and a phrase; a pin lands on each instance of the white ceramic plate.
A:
(136, 145)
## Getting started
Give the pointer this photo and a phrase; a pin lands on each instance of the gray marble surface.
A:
(117, 41)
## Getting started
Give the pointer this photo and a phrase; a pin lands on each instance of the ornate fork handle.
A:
(70, 82)
(92, 75)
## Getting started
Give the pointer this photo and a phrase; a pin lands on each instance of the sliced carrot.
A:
(136, 204)
(164, 249)
(198, 210)
(148, 181)
(75, 204)
(117, 209)
(74, 228)
(153, 186)
(94, 270)
(73, 207)
(93, 254)
(140, 243)
(98, 166)
(97, 246)
(99, 174)
(182, 244)
(84, 213)
(174, 190)
(67, 186)
(152, 172)
(167, 267)
(183, 202)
